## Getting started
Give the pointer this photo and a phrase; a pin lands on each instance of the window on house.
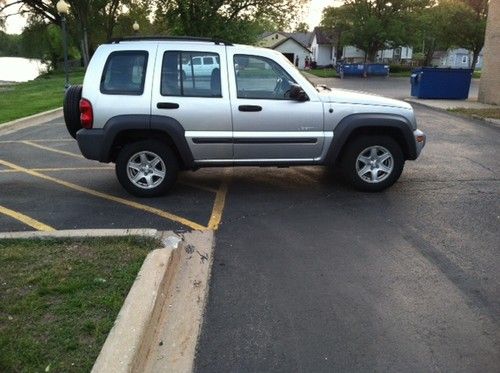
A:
(464, 59)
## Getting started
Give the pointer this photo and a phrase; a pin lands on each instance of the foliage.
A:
(302, 27)
(467, 26)
(10, 45)
(336, 19)
(377, 24)
(452, 24)
(234, 20)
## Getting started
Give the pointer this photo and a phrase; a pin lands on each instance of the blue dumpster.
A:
(444, 83)
(359, 69)
(351, 69)
(377, 69)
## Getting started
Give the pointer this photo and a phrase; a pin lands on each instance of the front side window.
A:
(261, 78)
(124, 73)
(183, 74)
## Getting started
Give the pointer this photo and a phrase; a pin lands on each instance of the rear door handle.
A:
(250, 108)
(167, 105)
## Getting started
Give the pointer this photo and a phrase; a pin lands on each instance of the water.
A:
(17, 69)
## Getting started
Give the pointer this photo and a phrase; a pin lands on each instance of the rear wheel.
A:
(147, 168)
(372, 163)
(71, 109)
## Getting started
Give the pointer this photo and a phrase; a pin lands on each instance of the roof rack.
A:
(167, 38)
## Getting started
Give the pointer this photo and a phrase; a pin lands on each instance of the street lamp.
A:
(63, 10)
(136, 27)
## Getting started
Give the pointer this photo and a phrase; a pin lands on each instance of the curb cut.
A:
(30, 121)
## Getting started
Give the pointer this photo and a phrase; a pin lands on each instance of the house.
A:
(459, 58)
(323, 46)
(396, 55)
(293, 45)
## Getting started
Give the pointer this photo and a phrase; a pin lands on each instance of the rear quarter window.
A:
(124, 73)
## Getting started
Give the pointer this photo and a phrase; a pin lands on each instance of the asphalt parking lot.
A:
(308, 275)
(46, 184)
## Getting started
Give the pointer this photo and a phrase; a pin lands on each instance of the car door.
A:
(198, 101)
(267, 125)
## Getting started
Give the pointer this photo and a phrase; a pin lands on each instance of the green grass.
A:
(476, 74)
(482, 113)
(59, 299)
(44, 93)
(323, 73)
(400, 74)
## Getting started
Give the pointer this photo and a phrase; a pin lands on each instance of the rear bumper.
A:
(91, 143)
(420, 139)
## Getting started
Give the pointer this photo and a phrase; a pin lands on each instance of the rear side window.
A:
(183, 74)
(124, 73)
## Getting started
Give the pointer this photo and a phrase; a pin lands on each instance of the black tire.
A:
(358, 147)
(71, 109)
(170, 167)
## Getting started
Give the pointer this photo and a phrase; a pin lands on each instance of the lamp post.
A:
(136, 27)
(63, 10)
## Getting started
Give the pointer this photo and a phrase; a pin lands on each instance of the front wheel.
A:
(372, 163)
(147, 168)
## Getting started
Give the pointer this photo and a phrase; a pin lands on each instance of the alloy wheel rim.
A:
(374, 164)
(146, 170)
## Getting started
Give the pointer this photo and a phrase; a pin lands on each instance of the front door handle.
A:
(167, 105)
(250, 108)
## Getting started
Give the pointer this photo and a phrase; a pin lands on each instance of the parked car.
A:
(200, 66)
(140, 109)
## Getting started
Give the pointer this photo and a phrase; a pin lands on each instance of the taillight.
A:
(86, 114)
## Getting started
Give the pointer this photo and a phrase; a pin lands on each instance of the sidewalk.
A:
(461, 106)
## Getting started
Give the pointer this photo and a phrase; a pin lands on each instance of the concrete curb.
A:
(137, 319)
(74, 233)
(30, 121)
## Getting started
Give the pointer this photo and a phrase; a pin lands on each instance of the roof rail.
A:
(167, 38)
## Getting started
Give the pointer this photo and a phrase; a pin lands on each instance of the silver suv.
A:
(157, 105)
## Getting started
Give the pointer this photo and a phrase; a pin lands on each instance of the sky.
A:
(312, 15)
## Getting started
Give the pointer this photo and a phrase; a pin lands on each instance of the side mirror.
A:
(297, 93)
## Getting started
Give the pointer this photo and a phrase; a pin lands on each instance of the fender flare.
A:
(98, 143)
(372, 122)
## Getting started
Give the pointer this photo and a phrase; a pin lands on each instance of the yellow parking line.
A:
(52, 149)
(220, 201)
(61, 169)
(152, 210)
(26, 220)
(35, 140)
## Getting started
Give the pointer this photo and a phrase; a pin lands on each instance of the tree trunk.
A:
(475, 57)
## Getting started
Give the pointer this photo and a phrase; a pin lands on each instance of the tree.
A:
(467, 26)
(86, 19)
(334, 18)
(235, 20)
(373, 25)
(452, 23)
(302, 27)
